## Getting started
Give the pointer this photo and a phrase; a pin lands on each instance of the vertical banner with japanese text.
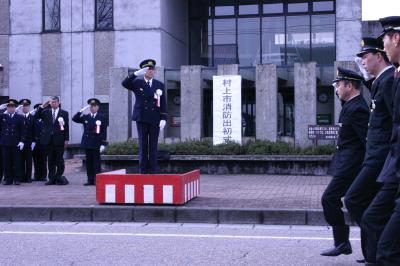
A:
(227, 109)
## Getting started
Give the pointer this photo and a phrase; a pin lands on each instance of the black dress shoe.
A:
(7, 183)
(88, 184)
(17, 183)
(361, 261)
(370, 263)
(50, 182)
(343, 248)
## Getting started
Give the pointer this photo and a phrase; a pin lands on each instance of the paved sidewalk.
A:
(254, 199)
(226, 191)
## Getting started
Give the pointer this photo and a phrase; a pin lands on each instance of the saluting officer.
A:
(149, 112)
(385, 208)
(29, 143)
(94, 138)
(12, 141)
(348, 158)
(363, 190)
(54, 136)
(38, 151)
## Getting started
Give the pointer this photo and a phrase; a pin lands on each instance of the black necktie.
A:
(148, 83)
(54, 116)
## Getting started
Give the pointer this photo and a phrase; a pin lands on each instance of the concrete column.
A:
(120, 107)
(266, 102)
(191, 102)
(305, 101)
(228, 70)
(348, 16)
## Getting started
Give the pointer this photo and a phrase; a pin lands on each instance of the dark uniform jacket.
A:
(50, 130)
(90, 138)
(380, 121)
(12, 130)
(350, 148)
(29, 123)
(146, 109)
(38, 129)
(388, 173)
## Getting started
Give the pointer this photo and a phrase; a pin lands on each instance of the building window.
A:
(104, 15)
(51, 15)
(247, 32)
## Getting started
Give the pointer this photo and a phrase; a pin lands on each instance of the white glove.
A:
(84, 108)
(364, 72)
(141, 72)
(20, 146)
(33, 145)
(19, 107)
(102, 147)
(162, 124)
(33, 112)
(3, 106)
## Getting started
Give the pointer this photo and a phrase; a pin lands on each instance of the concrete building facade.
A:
(285, 51)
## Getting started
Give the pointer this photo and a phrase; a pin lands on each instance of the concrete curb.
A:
(165, 214)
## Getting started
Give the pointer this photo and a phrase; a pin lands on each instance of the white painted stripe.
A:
(186, 192)
(129, 193)
(193, 191)
(171, 235)
(110, 193)
(148, 192)
(167, 194)
(198, 186)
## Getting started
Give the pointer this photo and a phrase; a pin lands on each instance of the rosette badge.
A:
(159, 93)
(61, 122)
(98, 124)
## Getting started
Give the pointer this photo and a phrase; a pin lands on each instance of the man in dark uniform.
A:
(347, 161)
(376, 63)
(386, 206)
(94, 138)
(365, 186)
(54, 136)
(29, 143)
(149, 113)
(38, 151)
(12, 141)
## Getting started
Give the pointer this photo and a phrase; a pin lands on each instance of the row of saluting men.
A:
(41, 136)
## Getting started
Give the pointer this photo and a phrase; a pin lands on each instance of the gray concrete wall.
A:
(25, 16)
(228, 69)
(266, 102)
(4, 17)
(120, 128)
(50, 63)
(103, 59)
(4, 59)
(348, 29)
(4, 45)
(174, 32)
(136, 36)
(371, 28)
(305, 97)
(191, 103)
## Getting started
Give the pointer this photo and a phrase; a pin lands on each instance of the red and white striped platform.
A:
(120, 188)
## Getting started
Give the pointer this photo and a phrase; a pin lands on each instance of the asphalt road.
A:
(167, 244)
